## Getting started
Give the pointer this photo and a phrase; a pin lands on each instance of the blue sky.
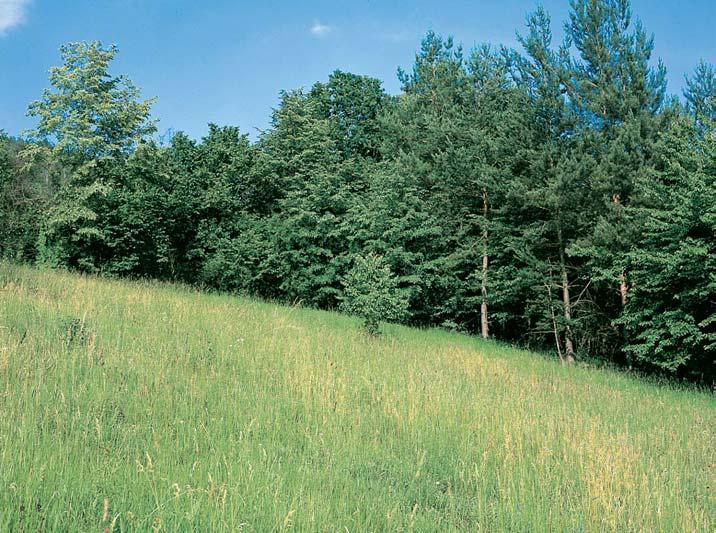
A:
(225, 61)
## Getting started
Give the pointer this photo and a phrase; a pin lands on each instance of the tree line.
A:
(553, 196)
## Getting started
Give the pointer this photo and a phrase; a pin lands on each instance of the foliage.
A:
(90, 114)
(88, 123)
(551, 196)
(700, 94)
(372, 293)
(25, 194)
(671, 321)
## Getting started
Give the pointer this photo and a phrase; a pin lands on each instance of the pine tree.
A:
(700, 95)
(616, 95)
(552, 190)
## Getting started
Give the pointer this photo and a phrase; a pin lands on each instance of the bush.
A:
(372, 293)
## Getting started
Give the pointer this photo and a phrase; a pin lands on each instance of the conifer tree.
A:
(700, 95)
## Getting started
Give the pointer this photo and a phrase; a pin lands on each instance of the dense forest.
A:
(553, 196)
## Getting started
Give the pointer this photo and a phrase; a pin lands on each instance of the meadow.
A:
(139, 406)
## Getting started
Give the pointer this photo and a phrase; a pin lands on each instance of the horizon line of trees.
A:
(554, 197)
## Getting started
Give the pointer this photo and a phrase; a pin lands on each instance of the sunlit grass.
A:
(135, 406)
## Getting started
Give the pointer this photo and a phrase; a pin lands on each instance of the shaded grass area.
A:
(135, 406)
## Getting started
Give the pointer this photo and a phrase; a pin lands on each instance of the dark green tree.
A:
(24, 196)
(352, 104)
(616, 95)
(671, 317)
(309, 246)
(548, 201)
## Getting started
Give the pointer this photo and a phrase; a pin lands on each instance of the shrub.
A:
(372, 293)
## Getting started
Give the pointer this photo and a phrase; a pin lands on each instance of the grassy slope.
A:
(176, 409)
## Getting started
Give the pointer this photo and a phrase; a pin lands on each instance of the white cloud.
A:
(318, 29)
(12, 13)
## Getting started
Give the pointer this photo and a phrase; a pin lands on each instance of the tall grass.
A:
(140, 406)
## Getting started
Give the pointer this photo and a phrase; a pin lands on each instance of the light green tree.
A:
(89, 114)
(88, 121)
(372, 292)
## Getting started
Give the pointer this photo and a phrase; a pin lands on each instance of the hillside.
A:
(129, 406)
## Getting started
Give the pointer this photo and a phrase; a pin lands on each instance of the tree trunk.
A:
(568, 343)
(554, 320)
(623, 289)
(484, 323)
(623, 293)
